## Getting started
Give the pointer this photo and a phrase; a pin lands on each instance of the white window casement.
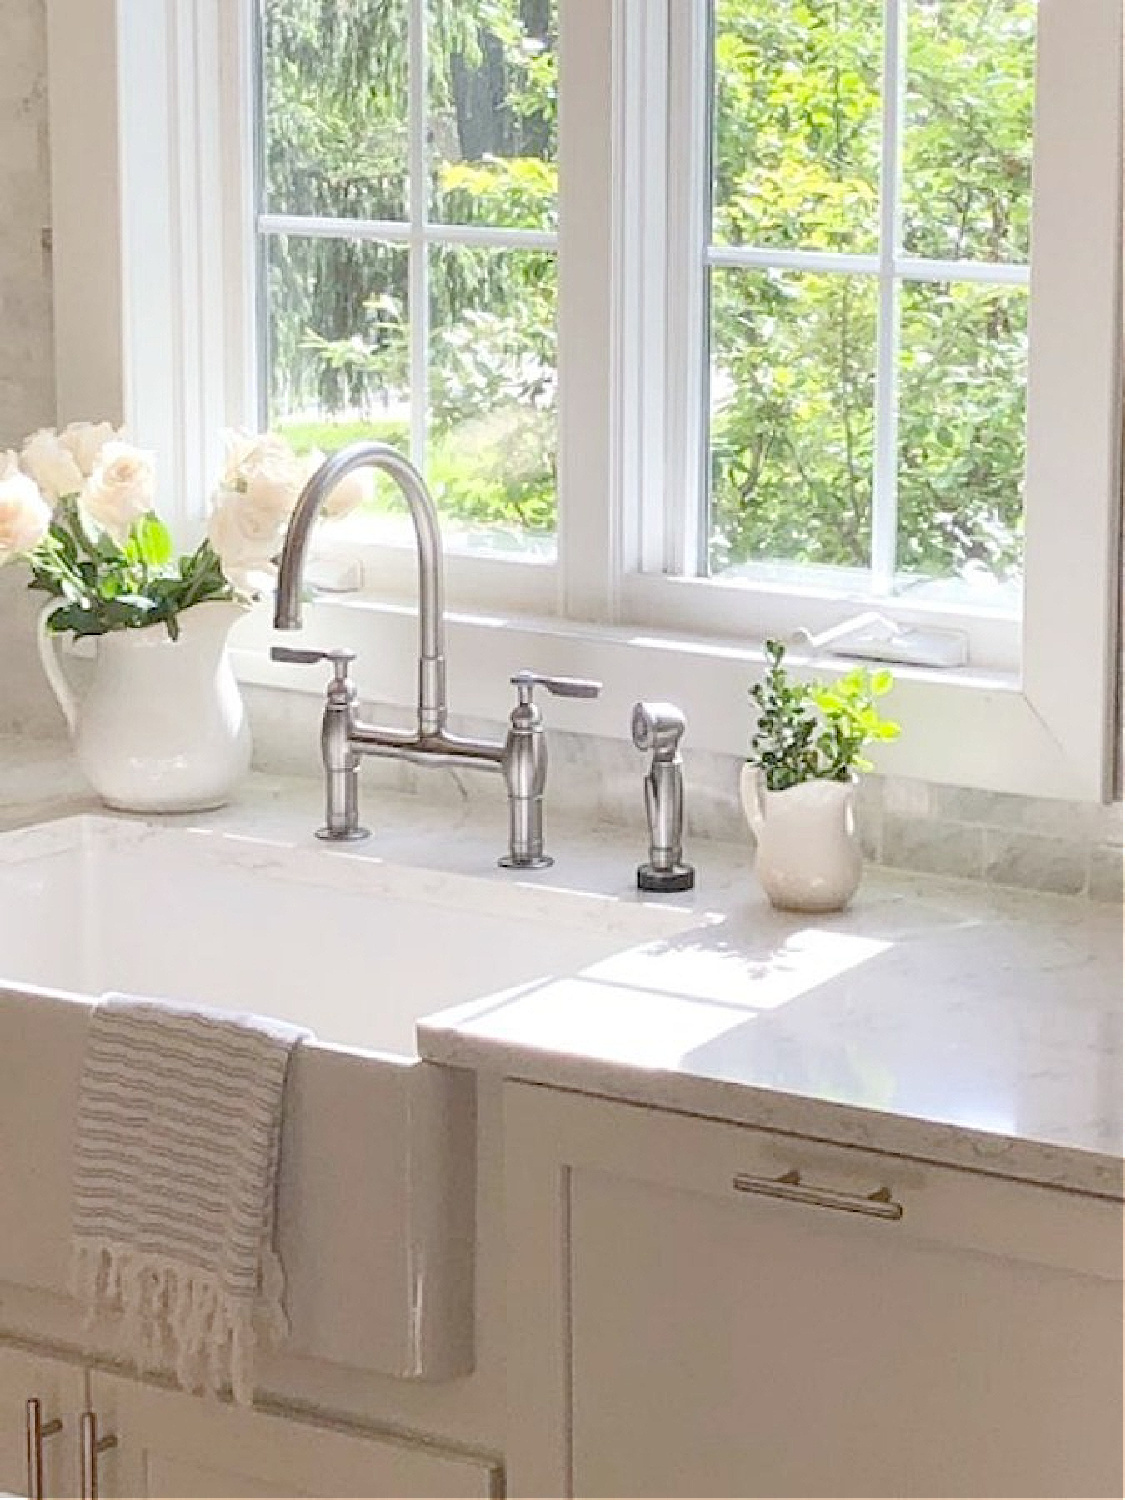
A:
(158, 235)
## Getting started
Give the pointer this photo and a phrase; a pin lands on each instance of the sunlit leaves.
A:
(967, 145)
(797, 118)
(807, 730)
(796, 166)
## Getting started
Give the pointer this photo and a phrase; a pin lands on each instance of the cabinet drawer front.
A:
(866, 1193)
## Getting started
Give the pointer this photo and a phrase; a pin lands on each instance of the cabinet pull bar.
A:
(92, 1446)
(876, 1205)
(37, 1430)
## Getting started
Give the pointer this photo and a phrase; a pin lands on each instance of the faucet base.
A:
(348, 836)
(676, 878)
(536, 862)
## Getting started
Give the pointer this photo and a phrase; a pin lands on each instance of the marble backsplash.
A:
(1068, 848)
(27, 372)
(27, 395)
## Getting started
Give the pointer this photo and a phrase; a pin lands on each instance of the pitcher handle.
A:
(752, 796)
(52, 669)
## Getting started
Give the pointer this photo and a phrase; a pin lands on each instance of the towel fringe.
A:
(171, 1313)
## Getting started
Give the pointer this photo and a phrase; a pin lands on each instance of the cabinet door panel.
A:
(680, 1329)
(60, 1388)
(754, 1347)
(170, 1444)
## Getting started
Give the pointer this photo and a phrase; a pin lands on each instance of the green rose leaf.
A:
(154, 541)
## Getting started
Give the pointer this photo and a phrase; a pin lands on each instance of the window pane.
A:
(797, 123)
(963, 375)
(492, 113)
(338, 342)
(792, 393)
(334, 100)
(493, 434)
(967, 145)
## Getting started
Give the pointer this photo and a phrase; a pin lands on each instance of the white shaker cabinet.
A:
(170, 1444)
(700, 1308)
(35, 1454)
(146, 1440)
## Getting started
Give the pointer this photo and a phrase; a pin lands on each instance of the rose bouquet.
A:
(79, 507)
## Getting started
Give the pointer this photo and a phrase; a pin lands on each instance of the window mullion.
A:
(640, 338)
(418, 269)
(589, 539)
(884, 500)
(687, 132)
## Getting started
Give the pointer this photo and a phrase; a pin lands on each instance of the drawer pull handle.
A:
(92, 1446)
(876, 1205)
(37, 1430)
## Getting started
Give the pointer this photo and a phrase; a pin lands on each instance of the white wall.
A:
(27, 375)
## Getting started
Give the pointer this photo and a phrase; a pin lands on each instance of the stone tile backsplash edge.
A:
(1066, 848)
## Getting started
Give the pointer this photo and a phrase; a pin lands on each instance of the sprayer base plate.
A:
(678, 878)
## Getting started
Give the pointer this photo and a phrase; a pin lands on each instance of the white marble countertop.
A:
(939, 1019)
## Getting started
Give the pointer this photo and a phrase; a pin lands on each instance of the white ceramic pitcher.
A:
(809, 856)
(161, 726)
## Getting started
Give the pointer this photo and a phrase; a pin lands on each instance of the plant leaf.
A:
(154, 541)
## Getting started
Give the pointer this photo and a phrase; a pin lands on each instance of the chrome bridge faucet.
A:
(344, 736)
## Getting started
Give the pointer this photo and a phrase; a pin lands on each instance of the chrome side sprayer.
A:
(659, 727)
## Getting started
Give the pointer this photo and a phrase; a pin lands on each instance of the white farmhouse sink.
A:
(377, 1190)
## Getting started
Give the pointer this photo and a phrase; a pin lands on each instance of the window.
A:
(406, 226)
(868, 273)
(671, 555)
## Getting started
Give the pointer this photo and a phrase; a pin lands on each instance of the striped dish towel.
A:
(175, 1180)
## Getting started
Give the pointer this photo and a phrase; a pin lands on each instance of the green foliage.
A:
(106, 587)
(795, 159)
(794, 355)
(335, 144)
(809, 731)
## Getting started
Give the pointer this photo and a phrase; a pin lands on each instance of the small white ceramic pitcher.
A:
(809, 856)
(162, 726)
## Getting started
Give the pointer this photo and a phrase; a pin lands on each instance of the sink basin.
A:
(376, 1198)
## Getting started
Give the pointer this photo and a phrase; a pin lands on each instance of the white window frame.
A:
(154, 294)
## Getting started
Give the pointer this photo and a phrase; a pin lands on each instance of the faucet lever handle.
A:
(562, 687)
(339, 656)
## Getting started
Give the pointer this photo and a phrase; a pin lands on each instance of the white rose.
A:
(266, 457)
(85, 440)
(348, 493)
(237, 446)
(51, 464)
(9, 463)
(246, 530)
(273, 480)
(121, 489)
(24, 514)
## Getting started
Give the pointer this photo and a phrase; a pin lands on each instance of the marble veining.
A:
(935, 1019)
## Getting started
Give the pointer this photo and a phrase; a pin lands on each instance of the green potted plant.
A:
(798, 783)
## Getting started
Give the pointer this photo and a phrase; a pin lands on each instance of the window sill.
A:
(965, 728)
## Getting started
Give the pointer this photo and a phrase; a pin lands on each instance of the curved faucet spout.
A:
(427, 532)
